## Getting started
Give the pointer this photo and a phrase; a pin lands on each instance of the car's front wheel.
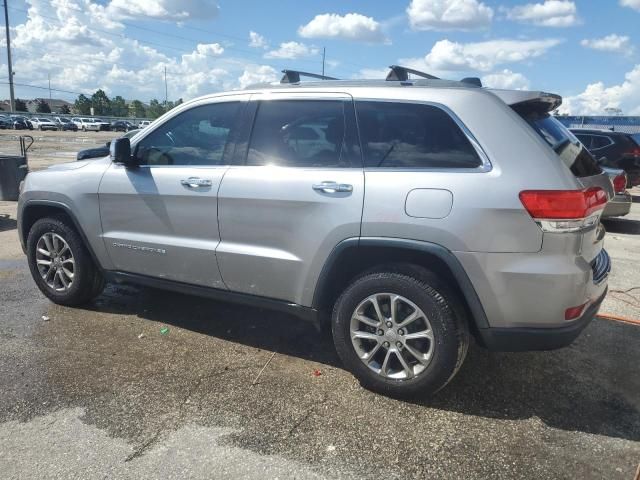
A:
(398, 333)
(60, 263)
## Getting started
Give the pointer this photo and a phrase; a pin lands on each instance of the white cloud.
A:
(256, 40)
(610, 43)
(164, 9)
(506, 79)
(597, 96)
(635, 4)
(448, 14)
(351, 26)
(257, 74)
(447, 56)
(551, 13)
(291, 50)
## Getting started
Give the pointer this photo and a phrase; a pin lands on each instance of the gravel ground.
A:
(98, 392)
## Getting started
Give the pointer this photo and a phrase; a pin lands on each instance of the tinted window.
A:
(584, 139)
(197, 136)
(600, 141)
(299, 133)
(406, 135)
(564, 143)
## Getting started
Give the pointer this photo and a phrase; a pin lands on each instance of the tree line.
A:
(118, 107)
(105, 106)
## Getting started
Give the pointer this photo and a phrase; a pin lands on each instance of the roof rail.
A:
(293, 76)
(401, 73)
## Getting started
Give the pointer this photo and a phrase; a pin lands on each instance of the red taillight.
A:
(635, 152)
(563, 204)
(574, 312)
(620, 183)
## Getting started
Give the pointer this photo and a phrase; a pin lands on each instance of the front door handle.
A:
(196, 182)
(333, 187)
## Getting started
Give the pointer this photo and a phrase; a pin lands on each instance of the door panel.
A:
(161, 218)
(154, 225)
(277, 230)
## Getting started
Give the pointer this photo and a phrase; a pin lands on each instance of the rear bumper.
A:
(619, 206)
(526, 339)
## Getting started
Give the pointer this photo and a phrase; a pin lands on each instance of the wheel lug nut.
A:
(401, 332)
(389, 324)
(399, 344)
(385, 344)
(380, 332)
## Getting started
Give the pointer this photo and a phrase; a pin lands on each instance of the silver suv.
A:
(410, 214)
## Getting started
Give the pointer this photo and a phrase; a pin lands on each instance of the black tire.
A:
(450, 330)
(87, 283)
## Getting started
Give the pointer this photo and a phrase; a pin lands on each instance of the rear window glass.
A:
(564, 143)
(407, 135)
(636, 138)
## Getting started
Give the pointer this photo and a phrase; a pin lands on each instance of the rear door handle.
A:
(196, 182)
(333, 187)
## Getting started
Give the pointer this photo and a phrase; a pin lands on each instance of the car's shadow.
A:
(591, 386)
(7, 223)
(622, 225)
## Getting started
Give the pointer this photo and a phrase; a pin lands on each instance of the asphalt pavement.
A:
(100, 392)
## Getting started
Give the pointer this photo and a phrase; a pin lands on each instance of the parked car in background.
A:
(144, 123)
(620, 204)
(99, 152)
(613, 150)
(41, 123)
(103, 125)
(19, 122)
(332, 211)
(5, 122)
(122, 126)
(86, 124)
(64, 124)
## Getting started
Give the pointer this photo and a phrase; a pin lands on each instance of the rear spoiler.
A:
(523, 100)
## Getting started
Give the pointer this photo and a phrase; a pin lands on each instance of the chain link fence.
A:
(615, 123)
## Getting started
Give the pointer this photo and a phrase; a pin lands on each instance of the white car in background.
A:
(41, 123)
(144, 123)
(86, 124)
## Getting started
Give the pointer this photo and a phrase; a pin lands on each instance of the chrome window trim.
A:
(486, 163)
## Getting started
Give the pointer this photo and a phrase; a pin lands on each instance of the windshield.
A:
(564, 143)
(87, 120)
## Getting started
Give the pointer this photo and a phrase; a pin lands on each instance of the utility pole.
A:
(49, 77)
(6, 24)
(324, 51)
(165, 86)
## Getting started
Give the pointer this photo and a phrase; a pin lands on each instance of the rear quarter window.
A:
(410, 135)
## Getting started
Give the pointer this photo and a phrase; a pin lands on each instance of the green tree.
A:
(42, 106)
(82, 105)
(100, 103)
(155, 109)
(136, 109)
(65, 109)
(119, 107)
(21, 105)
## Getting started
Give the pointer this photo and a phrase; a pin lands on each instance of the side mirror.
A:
(120, 152)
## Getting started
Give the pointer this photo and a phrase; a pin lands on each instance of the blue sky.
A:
(588, 51)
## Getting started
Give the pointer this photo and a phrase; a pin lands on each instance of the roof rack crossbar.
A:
(401, 73)
(293, 76)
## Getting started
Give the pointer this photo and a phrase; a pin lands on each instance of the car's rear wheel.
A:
(60, 263)
(398, 333)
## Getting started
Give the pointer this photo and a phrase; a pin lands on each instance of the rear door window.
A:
(564, 143)
(412, 135)
(300, 133)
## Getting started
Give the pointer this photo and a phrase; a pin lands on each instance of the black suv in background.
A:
(613, 150)
(122, 126)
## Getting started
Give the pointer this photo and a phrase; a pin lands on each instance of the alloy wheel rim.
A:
(55, 262)
(392, 336)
